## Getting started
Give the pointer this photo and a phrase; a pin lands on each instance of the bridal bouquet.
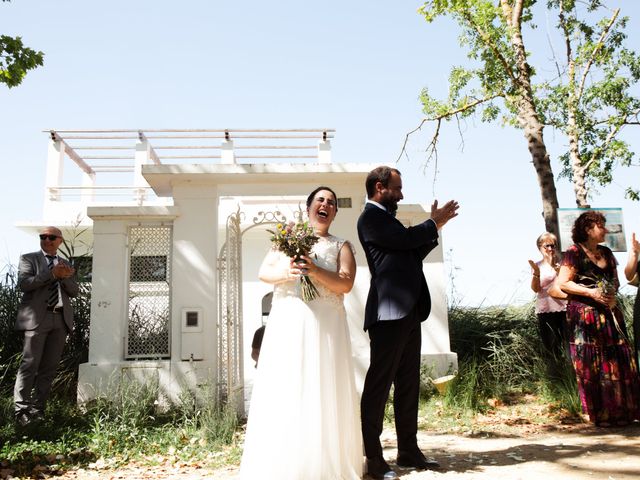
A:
(295, 240)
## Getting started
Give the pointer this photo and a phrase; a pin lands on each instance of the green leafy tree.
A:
(16, 60)
(591, 100)
(591, 86)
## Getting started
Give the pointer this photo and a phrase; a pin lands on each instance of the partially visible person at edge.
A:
(45, 317)
(606, 370)
(256, 343)
(397, 303)
(632, 272)
(551, 312)
(303, 422)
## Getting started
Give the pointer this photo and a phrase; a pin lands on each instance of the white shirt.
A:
(55, 262)
(546, 303)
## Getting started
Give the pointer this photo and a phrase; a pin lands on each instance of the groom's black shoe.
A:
(378, 469)
(416, 459)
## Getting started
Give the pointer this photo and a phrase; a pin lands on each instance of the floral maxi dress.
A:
(603, 359)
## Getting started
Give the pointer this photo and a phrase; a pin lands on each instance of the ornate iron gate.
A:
(230, 364)
(230, 355)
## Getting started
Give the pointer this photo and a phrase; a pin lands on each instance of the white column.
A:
(108, 309)
(227, 153)
(139, 182)
(324, 151)
(55, 169)
(194, 269)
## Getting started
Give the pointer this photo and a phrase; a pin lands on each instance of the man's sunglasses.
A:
(51, 238)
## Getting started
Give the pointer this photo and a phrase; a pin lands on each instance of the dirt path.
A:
(575, 452)
(579, 453)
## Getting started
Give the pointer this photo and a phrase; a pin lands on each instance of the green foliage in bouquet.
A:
(295, 240)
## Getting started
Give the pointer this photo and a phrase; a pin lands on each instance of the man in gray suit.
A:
(45, 316)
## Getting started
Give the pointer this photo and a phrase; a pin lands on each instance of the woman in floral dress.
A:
(606, 370)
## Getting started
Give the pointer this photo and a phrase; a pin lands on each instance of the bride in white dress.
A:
(304, 419)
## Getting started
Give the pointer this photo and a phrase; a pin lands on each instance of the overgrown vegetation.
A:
(113, 431)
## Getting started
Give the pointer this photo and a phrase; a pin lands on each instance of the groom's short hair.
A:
(379, 174)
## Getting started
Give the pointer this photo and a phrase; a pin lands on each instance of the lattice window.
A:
(149, 322)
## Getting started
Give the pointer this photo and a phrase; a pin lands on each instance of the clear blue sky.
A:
(356, 66)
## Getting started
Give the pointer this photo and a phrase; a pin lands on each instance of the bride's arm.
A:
(274, 269)
(340, 281)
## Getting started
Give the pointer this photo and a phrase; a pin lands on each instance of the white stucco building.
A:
(177, 239)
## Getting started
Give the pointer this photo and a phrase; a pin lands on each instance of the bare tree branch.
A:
(439, 118)
(598, 47)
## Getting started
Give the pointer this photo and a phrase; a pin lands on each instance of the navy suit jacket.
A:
(34, 278)
(394, 255)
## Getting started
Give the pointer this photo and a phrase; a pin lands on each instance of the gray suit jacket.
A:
(34, 278)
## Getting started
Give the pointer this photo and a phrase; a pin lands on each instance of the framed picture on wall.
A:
(615, 239)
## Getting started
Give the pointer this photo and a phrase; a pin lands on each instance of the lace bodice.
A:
(325, 254)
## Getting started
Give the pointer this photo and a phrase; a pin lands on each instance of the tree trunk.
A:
(533, 133)
(577, 170)
(528, 117)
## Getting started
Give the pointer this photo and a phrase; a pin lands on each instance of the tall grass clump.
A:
(11, 344)
(118, 422)
(500, 353)
(217, 422)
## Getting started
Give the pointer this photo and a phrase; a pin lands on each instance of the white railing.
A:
(109, 162)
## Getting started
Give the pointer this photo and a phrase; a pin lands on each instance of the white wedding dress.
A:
(304, 418)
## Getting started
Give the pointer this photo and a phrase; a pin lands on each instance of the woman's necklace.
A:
(596, 255)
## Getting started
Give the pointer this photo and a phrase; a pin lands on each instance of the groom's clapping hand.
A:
(445, 213)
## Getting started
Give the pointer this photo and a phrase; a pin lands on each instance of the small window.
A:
(344, 202)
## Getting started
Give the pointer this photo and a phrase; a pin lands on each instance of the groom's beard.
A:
(390, 205)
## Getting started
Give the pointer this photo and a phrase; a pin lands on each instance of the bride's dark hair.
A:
(312, 195)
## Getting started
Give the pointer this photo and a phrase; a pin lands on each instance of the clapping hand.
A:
(535, 268)
(62, 270)
(635, 244)
(445, 213)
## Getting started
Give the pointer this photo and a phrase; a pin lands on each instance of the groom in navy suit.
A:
(398, 302)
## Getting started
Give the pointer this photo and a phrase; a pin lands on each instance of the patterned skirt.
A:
(605, 365)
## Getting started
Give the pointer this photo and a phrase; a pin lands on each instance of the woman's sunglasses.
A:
(549, 245)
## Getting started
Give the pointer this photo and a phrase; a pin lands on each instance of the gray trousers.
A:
(40, 358)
